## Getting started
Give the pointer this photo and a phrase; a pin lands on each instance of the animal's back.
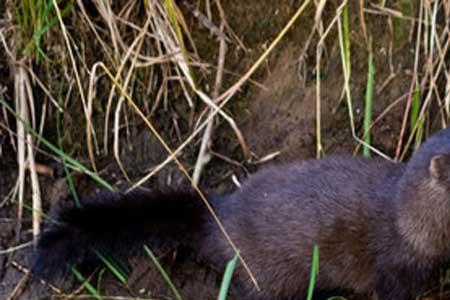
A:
(279, 214)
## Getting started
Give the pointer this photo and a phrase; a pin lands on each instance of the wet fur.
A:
(381, 227)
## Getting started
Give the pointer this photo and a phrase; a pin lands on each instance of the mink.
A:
(380, 227)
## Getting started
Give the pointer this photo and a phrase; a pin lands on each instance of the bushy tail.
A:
(116, 225)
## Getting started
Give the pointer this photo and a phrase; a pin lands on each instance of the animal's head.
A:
(431, 162)
(423, 197)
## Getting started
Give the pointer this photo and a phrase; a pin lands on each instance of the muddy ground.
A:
(278, 115)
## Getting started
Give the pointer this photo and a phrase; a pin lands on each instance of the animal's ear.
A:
(440, 167)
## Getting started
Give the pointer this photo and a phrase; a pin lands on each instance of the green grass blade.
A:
(344, 45)
(23, 16)
(41, 23)
(173, 14)
(414, 117)
(346, 34)
(114, 268)
(100, 278)
(415, 108)
(314, 272)
(92, 290)
(227, 277)
(47, 9)
(163, 273)
(368, 103)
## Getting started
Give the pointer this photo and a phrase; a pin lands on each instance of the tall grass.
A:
(163, 273)
(226, 281)
(113, 267)
(85, 283)
(314, 272)
(35, 19)
(147, 59)
(415, 121)
(368, 107)
(60, 153)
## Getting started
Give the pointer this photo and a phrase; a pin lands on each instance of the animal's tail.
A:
(115, 224)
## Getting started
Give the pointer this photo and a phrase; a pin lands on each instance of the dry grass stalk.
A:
(25, 153)
(156, 49)
(169, 38)
(138, 42)
(433, 67)
(20, 104)
(185, 172)
(89, 128)
(203, 157)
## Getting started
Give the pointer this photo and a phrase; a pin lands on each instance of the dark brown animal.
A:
(380, 227)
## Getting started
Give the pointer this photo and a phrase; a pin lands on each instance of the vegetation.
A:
(81, 79)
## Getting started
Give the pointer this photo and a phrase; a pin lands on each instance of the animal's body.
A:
(380, 226)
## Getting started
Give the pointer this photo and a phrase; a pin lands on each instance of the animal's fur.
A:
(381, 227)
